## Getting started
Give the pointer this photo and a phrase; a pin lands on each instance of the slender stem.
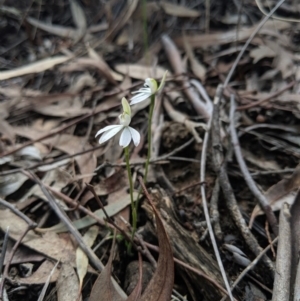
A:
(151, 109)
(133, 208)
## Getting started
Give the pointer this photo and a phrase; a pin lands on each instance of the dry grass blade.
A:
(45, 287)
(161, 284)
(35, 67)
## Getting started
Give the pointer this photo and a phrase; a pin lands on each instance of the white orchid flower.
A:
(150, 88)
(128, 133)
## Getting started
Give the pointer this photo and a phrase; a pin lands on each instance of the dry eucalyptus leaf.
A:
(45, 287)
(41, 275)
(111, 210)
(67, 284)
(103, 288)
(140, 71)
(262, 51)
(109, 74)
(78, 15)
(161, 284)
(282, 192)
(178, 10)
(36, 67)
(82, 261)
(61, 31)
(11, 183)
(198, 69)
(57, 247)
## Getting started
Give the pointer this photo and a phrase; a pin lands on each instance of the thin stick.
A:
(4, 248)
(254, 33)
(205, 208)
(12, 253)
(214, 212)
(269, 97)
(64, 218)
(251, 266)
(249, 180)
(188, 267)
(218, 159)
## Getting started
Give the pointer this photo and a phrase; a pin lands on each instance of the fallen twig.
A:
(231, 202)
(243, 167)
(31, 225)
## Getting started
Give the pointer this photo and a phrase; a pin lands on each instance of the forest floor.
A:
(225, 149)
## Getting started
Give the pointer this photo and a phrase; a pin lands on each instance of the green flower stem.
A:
(151, 109)
(133, 208)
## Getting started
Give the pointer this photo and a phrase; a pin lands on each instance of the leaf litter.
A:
(65, 68)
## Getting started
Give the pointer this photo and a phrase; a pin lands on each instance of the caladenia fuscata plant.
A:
(150, 89)
(128, 134)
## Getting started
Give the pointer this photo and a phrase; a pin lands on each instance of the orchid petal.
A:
(135, 135)
(142, 90)
(139, 98)
(110, 133)
(125, 119)
(125, 137)
(107, 128)
(151, 82)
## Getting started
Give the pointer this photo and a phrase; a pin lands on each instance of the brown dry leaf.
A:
(82, 260)
(49, 244)
(41, 275)
(84, 63)
(35, 67)
(67, 284)
(136, 293)
(282, 192)
(178, 10)
(140, 71)
(105, 68)
(82, 81)
(111, 210)
(161, 284)
(262, 51)
(284, 62)
(70, 144)
(78, 15)
(62, 109)
(22, 255)
(11, 183)
(103, 288)
(7, 131)
(198, 69)
(220, 38)
(122, 19)
(61, 31)
(46, 285)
